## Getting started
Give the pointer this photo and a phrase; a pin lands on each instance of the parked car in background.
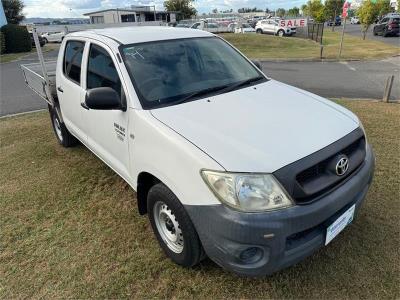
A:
(42, 42)
(334, 22)
(388, 25)
(273, 27)
(354, 20)
(182, 26)
(241, 28)
(55, 37)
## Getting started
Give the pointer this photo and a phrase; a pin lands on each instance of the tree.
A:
(280, 12)
(316, 10)
(293, 12)
(215, 11)
(367, 13)
(13, 11)
(304, 10)
(383, 7)
(332, 9)
(184, 7)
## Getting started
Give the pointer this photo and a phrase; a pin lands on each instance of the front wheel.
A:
(173, 228)
(259, 31)
(64, 137)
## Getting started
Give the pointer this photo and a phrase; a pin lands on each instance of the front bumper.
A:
(281, 238)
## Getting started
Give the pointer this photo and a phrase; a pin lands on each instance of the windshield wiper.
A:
(197, 94)
(239, 84)
(220, 89)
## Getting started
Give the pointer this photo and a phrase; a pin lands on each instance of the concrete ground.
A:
(362, 79)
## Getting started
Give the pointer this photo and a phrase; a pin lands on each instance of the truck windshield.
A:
(170, 72)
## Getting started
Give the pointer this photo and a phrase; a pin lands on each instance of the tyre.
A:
(281, 33)
(45, 40)
(259, 31)
(173, 228)
(375, 33)
(64, 137)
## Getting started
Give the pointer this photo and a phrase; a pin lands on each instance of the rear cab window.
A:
(73, 60)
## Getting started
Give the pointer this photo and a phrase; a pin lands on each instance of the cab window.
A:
(73, 60)
(101, 71)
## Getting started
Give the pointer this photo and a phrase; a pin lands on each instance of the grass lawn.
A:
(69, 228)
(9, 57)
(265, 46)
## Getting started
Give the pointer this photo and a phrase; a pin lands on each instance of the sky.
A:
(75, 8)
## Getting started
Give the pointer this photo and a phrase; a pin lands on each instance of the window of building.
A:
(128, 18)
(97, 19)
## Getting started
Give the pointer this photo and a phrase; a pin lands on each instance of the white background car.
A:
(241, 28)
(226, 162)
(354, 20)
(56, 37)
(273, 27)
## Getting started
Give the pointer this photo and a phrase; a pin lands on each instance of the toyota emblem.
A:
(342, 166)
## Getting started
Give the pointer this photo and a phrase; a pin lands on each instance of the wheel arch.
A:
(145, 181)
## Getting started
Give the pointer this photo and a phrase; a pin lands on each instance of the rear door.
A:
(69, 90)
(383, 24)
(107, 130)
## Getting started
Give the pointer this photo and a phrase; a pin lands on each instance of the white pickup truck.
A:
(225, 161)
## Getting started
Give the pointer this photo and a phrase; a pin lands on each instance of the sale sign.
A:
(293, 23)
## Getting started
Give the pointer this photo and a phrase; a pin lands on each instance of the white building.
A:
(132, 14)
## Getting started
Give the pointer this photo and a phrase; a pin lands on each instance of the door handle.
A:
(83, 104)
(60, 89)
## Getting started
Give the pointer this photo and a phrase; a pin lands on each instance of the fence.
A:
(316, 32)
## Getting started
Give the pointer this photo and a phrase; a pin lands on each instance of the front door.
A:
(107, 130)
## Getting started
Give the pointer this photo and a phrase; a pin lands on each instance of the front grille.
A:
(309, 178)
(322, 168)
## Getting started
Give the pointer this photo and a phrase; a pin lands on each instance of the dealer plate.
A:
(336, 227)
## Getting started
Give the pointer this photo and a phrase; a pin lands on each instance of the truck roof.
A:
(141, 34)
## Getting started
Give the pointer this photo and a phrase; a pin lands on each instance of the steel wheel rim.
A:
(168, 227)
(57, 127)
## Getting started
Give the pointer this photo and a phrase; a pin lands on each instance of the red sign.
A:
(293, 23)
(346, 6)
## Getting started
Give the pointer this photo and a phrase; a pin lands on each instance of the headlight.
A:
(247, 192)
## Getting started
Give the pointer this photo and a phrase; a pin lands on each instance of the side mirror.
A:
(258, 64)
(103, 98)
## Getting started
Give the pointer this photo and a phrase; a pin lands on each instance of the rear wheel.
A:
(64, 137)
(281, 33)
(172, 226)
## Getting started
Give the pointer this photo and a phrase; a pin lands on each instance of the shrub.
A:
(17, 38)
(2, 43)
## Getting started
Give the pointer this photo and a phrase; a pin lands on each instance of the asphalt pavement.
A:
(359, 79)
(355, 29)
(15, 96)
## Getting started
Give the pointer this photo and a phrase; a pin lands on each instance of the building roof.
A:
(110, 9)
(122, 10)
(142, 34)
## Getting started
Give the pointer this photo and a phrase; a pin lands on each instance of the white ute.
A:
(226, 162)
